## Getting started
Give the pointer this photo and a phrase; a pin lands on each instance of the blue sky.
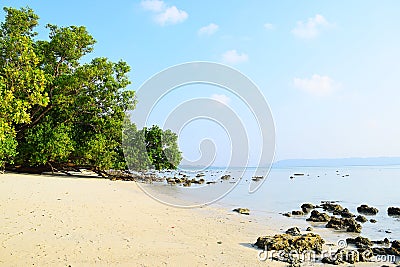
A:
(328, 69)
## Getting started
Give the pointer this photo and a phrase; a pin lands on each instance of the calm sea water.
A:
(376, 186)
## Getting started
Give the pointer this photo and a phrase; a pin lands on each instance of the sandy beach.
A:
(59, 221)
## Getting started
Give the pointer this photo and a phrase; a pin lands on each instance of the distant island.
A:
(370, 161)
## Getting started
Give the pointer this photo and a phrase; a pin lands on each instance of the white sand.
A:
(58, 221)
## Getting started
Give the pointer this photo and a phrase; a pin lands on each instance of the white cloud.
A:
(164, 15)
(233, 57)
(224, 99)
(311, 28)
(210, 29)
(153, 5)
(171, 15)
(269, 26)
(317, 85)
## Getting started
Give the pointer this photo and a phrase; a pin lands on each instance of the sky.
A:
(329, 70)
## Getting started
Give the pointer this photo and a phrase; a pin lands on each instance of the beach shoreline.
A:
(62, 221)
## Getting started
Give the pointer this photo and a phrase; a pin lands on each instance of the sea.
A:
(284, 189)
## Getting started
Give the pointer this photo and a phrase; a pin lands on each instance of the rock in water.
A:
(317, 216)
(349, 256)
(298, 212)
(385, 242)
(288, 242)
(244, 211)
(225, 177)
(307, 207)
(360, 242)
(361, 219)
(367, 210)
(394, 211)
(348, 224)
(396, 247)
(393, 250)
(295, 231)
(336, 209)
(346, 213)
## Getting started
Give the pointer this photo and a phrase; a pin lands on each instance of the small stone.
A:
(361, 219)
(244, 211)
(297, 213)
(295, 231)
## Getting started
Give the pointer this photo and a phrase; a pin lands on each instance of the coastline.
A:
(62, 221)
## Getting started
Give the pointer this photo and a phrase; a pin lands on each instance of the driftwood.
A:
(79, 171)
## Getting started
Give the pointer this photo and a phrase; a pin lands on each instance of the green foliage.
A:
(150, 148)
(47, 143)
(22, 82)
(8, 143)
(134, 146)
(56, 110)
(162, 148)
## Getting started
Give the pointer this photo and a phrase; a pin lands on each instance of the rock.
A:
(372, 221)
(360, 242)
(348, 224)
(317, 216)
(349, 256)
(295, 231)
(201, 181)
(210, 182)
(225, 177)
(336, 209)
(367, 210)
(287, 214)
(393, 211)
(365, 254)
(309, 229)
(385, 242)
(244, 211)
(395, 248)
(298, 213)
(307, 207)
(171, 181)
(332, 260)
(361, 219)
(345, 213)
(257, 178)
(288, 242)
(381, 251)
(179, 181)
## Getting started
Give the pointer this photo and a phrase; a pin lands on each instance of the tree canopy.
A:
(57, 111)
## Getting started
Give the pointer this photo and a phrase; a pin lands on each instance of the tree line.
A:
(57, 112)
